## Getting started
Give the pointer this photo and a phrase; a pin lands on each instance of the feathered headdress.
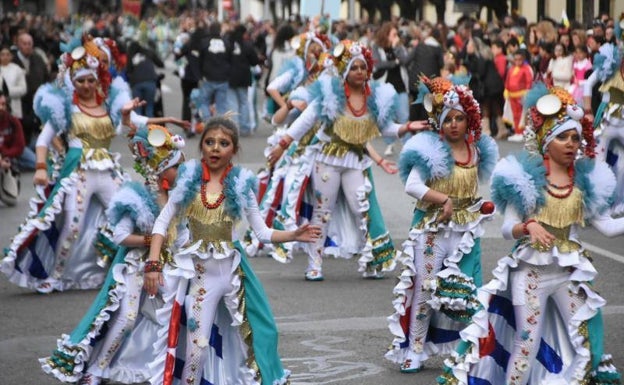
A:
(347, 51)
(440, 95)
(551, 111)
(155, 150)
(301, 43)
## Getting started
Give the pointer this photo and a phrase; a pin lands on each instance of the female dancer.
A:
(609, 121)
(218, 285)
(114, 339)
(54, 247)
(351, 113)
(539, 318)
(442, 257)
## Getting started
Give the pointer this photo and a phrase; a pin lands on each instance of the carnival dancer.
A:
(217, 284)
(351, 112)
(539, 318)
(436, 293)
(114, 339)
(609, 120)
(54, 248)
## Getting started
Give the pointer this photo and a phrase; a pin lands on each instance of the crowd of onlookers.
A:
(233, 61)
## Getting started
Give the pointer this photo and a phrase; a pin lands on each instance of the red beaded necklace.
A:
(357, 112)
(569, 187)
(469, 160)
(205, 180)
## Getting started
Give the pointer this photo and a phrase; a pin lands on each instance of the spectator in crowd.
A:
(390, 58)
(36, 74)
(243, 58)
(519, 80)
(581, 66)
(560, 67)
(214, 59)
(11, 145)
(426, 58)
(189, 54)
(142, 76)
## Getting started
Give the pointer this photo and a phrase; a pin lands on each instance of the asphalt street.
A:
(331, 332)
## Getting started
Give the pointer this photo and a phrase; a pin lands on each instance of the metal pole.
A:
(220, 10)
(352, 11)
(267, 11)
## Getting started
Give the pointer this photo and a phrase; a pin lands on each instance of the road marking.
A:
(330, 366)
(603, 252)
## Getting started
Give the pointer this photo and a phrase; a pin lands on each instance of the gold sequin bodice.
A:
(349, 134)
(558, 215)
(461, 186)
(209, 225)
(95, 133)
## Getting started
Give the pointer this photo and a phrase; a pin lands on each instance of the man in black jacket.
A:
(214, 61)
(243, 57)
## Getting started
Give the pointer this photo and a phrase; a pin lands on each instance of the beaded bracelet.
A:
(525, 228)
(283, 143)
(153, 267)
(380, 161)
(41, 166)
(147, 240)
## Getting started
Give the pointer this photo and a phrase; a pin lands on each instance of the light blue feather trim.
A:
(329, 92)
(237, 186)
(488, 156)
(538, 90)
(597, 183)
(133, 199)
(53, 104)
(118, 95)
(519, 180)
(428, 154)
(187, 183)
(382, 103)
(296, 67)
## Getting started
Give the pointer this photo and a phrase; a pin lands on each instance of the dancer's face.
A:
(217, 148)
(169, 174)
(86, 86)
(564, 148)
(454, 126)
(357, 75)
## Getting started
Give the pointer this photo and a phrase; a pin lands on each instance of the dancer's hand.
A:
(388, 166)
(41, 178)
(537, 233)
(152, 281)
(131, 105)
(307, 233)
(184, 124)
(447, 210)
(298, 104)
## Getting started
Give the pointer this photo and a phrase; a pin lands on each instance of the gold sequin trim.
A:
(564, 212)
(355, 131)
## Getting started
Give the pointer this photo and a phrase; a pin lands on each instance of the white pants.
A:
(327, 182)
(91, 184)
(212, 282)
(531, 287)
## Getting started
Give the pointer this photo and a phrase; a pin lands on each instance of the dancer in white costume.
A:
(115, 337)
(217, 284)
(539, 319)
(54, 247)
(351, 113)
(436, 293)
(608, 68)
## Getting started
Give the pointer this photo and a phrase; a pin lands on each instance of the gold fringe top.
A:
(461, 186)
(209, 225)
(562, 212)
(350, 134)
(557, 216)
(95, 133)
